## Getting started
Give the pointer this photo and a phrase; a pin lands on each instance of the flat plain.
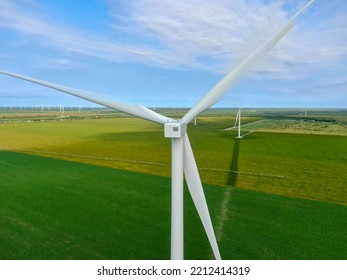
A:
(82, 188)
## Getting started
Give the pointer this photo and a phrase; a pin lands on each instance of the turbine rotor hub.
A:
(174, 129)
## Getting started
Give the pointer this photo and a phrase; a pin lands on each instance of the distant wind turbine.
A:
(238, 117)
(183, 161)
(191, 101)
(62, 110)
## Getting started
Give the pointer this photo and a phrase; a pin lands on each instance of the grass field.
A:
(285, 164)
(55, 209)
(86, 188)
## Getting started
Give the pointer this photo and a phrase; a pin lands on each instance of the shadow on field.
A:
(232, 180)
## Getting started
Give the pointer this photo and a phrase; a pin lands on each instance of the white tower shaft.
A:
(239, 130)
(177, 199)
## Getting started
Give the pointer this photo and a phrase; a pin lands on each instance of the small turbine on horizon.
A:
(191, 101)
(238, 117)
(61, 109)
(183, 161)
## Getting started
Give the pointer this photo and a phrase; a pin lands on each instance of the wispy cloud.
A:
(60, 63)
(196, 34)
(335, 86)
(24, 94)
(215, 35)
(47, 32)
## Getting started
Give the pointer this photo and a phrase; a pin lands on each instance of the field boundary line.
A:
(142, 162)
(90, 157)
(230, 128)
(245, 173)
(247, 133)
(253, 122)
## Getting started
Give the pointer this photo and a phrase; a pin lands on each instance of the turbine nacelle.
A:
(174, 129)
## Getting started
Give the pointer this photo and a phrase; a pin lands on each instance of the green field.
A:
(81, 188)
(286, 164)
(55, 209)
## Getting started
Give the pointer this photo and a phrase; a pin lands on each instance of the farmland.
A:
(302, 126)
(114, 168)
(286, 164)
(55, 209)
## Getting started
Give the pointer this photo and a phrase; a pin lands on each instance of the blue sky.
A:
(170, 53)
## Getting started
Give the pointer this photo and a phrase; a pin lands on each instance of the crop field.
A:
(286, 164)
(56, 209)
(117, 170)
(299, 126)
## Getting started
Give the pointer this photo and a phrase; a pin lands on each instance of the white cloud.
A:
(338, 86)
(215, 35)
(48, 32)
(195, 34)
(197, 31)
(60, 63)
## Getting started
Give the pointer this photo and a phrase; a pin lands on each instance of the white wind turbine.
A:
(191, 101)
(238, 117)
(183, 161)
(61, 109)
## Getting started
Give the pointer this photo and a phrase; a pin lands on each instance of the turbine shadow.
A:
(232, 180)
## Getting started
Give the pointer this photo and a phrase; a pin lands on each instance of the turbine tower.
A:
(61, 109)
(191, 101)
(183, 161)
(238, 117)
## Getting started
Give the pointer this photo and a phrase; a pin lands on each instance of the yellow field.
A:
(306, 166)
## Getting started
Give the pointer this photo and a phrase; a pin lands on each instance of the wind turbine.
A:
(238, 117)
(183, 161)
(61, 110)
(191, 101)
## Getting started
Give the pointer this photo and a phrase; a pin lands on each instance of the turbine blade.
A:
(235, 103)
(249, 105)
(221, 89)
(237, 117)
(198, 196)
(133, 109)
